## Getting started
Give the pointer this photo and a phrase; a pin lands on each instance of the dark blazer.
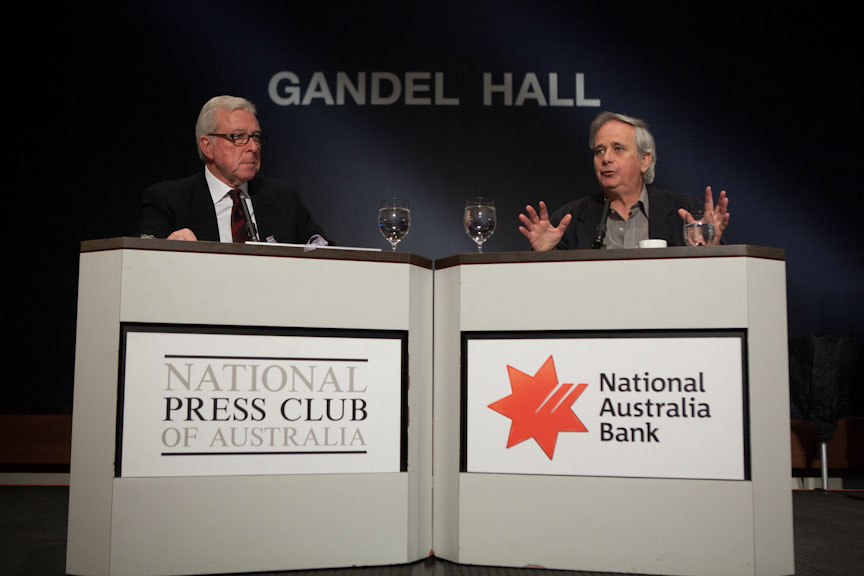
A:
(664, 223)
(187, 203)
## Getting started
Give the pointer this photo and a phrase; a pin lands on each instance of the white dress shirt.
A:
(223, 204)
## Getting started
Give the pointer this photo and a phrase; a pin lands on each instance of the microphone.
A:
(251, 230)
(600, 232)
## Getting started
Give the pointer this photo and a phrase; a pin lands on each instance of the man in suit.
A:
(209, 205)
(624, 161)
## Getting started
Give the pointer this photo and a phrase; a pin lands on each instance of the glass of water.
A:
(394, 220)
(479, 219)
(699, 229)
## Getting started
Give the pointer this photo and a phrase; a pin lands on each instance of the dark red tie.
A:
(238, 222)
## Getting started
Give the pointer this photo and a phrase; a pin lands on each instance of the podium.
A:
(262, 311)
(260, 408)
(699, 484)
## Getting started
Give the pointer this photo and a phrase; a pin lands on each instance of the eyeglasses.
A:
(241, 138)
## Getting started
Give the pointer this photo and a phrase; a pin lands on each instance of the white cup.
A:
(652, 244)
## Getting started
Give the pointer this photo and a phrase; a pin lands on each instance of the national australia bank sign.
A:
(661, 405)
(428, 88)
(211, 403)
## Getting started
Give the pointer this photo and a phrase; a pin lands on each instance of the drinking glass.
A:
(394, 219)
(479, 220)
(699, 229)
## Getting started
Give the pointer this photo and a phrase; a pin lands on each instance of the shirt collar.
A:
(218, 189)
(643, 199)
(642, 202)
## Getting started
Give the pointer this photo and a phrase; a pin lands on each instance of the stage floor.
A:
(829, 539)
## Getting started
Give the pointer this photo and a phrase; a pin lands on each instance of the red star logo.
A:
(539, 407)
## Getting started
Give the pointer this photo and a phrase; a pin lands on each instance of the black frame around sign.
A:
(128, 327)
(467, 336)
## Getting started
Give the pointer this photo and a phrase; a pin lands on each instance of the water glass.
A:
(479, 219)
(394, 220)
(699, 229)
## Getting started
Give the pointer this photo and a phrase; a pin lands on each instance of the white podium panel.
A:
(208, 401)
(198, 317)
(618, 411)
(634, 404)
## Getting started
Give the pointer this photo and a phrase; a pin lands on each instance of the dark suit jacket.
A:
(175, 204)
(664, 223)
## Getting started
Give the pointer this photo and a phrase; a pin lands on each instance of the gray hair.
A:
(644, 139)
(207, 117)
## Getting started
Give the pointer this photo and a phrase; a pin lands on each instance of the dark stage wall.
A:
(764, 103)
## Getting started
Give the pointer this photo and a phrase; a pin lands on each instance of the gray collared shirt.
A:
(621, 233)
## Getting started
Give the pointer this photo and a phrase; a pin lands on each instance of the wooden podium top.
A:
(274, 250)
(617, 254)
(335, 253)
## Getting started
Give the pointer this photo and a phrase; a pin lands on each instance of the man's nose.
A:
(253, 145)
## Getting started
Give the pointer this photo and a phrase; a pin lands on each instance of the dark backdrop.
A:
(102, 99)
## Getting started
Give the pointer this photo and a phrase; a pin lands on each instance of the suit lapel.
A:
(262, 205)
(660, 220)
(587, 220)
(203, 212)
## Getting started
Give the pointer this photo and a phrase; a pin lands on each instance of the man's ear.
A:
(206, 147)
(645, 162)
